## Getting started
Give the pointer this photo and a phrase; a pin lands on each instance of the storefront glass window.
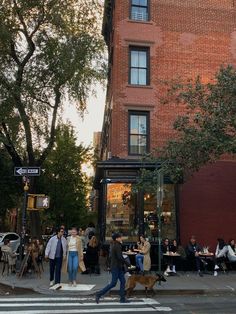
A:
(120, 211)
(168, 214)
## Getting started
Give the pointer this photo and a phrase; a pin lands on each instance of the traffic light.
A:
(42, 202)
(38, 201)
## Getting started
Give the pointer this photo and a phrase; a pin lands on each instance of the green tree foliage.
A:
(64, 181)
(51, 52)
(203, 133)
(9, 186)
(207, 129)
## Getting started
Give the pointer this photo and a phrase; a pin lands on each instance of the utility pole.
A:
(160, 195)
(24, 208)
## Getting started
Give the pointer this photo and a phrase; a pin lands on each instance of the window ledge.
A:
(140, 21)
(139, 86)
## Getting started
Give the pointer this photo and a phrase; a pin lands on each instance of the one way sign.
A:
(27, 171)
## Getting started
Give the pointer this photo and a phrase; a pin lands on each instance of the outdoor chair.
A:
(5, 261)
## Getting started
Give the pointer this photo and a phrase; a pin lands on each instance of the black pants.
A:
(55, 269)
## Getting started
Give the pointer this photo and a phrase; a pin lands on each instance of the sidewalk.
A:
(184, 284)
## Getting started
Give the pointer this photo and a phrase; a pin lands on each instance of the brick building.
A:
(151, 41)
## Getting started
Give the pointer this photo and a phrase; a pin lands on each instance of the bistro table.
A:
(205, 257)
(171, 256)
(131, 256)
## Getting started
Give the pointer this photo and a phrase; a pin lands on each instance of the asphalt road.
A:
(73, 305)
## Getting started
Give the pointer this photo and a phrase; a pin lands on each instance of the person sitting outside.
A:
(181, 261)
(231, 254)
(192, 251)
(220, 256)
(92, 256)
(166, 248)
(10, 254)
(143, 260)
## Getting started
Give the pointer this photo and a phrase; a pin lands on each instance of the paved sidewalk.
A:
(185, 283)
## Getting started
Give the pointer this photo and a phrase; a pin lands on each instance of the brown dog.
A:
(147, 281)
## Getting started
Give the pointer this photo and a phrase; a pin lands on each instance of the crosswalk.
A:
(74, 305)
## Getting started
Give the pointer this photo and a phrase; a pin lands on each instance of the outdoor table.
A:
(171, 256)
(131, 256)
(205, 257)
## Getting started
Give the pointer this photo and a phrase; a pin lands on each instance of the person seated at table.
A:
(220, 256)
(231, 254)
(143, 260)
(166, 248)
(178, 249)
(10, 254)
(192, 251)
(92, 255)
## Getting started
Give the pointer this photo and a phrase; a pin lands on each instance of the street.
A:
(73, 305)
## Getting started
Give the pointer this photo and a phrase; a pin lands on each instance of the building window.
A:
(120, 211)
(139, 66)
(138, 133)
(139, 10)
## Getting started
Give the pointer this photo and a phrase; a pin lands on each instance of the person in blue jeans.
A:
(74, 256)
(56, 251)
(117, 269)
(143, 260)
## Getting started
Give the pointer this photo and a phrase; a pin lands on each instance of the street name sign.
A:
(27, 171)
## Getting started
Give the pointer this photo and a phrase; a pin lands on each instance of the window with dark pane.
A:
(139, 66)
(138, 132)
(139, 10)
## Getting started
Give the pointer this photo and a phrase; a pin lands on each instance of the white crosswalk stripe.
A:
(73, 305)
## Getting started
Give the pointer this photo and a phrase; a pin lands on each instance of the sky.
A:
(93, 118)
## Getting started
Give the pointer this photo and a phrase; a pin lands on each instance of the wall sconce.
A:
(166, 217)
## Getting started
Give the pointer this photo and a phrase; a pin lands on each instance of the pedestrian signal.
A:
(38, 201)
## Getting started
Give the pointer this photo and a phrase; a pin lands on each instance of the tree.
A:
(207, 130)
(9, 187)
(64, 181)
(203, 133)
(51, 52)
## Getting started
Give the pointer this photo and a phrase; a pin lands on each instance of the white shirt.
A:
(72, 244)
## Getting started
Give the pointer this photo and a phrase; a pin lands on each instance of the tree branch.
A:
(13, 53)
(8, 144)
(53, 127)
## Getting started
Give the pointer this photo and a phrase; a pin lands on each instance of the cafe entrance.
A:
(132, 213)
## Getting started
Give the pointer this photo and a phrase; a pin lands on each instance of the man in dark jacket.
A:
(192, 251)
(117, 269)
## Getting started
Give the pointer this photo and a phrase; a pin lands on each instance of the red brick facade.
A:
(186, 38)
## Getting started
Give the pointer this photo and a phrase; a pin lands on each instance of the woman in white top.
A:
(220, 256)
(231, 251)
(74, 256)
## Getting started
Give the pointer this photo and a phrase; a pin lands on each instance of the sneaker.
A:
(74, 283)
(217, 267)
(97, 299)
(132, 267)
(51, 283)
(166, 274)
(215, 273)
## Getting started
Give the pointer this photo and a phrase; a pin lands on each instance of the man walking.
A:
(117, 271)
(56, 251)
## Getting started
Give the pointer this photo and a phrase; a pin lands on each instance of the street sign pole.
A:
(159, 212)
(24, 207)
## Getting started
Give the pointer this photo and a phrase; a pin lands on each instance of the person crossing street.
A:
(117, 269)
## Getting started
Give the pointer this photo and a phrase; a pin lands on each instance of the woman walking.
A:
(75, 258)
